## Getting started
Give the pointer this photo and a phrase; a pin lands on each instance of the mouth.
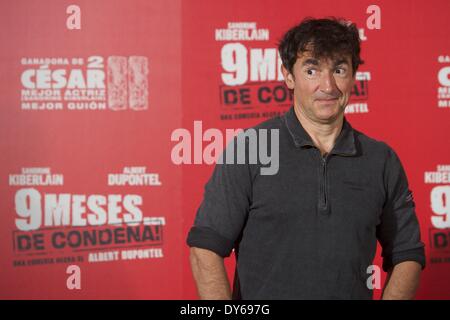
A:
(327, 101)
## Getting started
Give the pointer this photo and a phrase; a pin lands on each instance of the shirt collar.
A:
(345, 143)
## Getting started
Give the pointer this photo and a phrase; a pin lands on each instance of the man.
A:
(310, 231)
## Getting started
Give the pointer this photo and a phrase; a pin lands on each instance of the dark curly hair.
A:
(324, 38)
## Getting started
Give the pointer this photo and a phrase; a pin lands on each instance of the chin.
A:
(330, 113)
(327, 117)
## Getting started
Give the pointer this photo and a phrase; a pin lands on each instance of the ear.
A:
(288, 78)
(353, 80)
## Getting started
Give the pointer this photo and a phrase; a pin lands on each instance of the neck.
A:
(324, 135)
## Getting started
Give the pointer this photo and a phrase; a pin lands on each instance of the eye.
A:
(341, 71)
(311, 72)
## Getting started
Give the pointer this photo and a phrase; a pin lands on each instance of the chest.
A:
(309, 189)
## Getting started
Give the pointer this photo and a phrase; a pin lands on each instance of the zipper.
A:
(323, 198)
(324, 184)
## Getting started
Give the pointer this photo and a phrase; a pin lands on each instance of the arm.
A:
(402, 281)
(218, 225)
(399, 234)
(209, 274)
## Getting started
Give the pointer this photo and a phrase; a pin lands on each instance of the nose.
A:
(327, 83)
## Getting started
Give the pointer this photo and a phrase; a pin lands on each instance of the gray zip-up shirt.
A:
(310, 231)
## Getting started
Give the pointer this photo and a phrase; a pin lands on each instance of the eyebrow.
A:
(315, 62)
(310, 61)
(340, 61)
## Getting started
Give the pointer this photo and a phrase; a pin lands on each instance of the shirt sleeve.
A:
(399, 231)
(223, 212)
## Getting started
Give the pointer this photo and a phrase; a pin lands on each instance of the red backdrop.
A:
(87, 117)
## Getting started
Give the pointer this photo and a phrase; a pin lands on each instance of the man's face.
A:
(321, 86)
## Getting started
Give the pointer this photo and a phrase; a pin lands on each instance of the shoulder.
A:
(374, 147)
(379, 154)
